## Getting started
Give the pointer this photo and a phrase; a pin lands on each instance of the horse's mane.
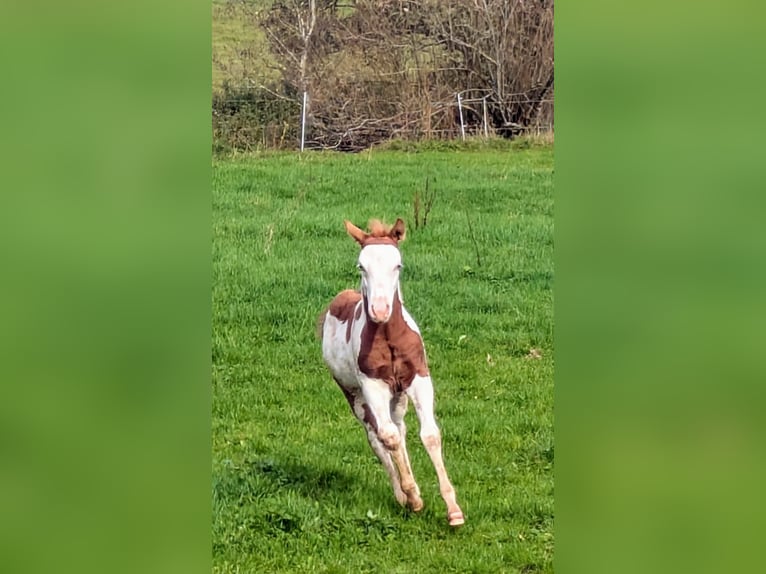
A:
(378, 228)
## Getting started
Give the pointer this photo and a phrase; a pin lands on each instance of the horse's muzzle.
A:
(380, 312)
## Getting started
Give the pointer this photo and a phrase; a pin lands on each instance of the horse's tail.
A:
(320, 324)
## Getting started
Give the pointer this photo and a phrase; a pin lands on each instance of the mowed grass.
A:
(295, 485)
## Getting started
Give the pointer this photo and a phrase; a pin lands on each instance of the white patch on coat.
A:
(340, 356)
(410, 321)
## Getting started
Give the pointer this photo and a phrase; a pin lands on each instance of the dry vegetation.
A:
(376, 70)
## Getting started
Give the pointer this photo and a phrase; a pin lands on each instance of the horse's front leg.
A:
(364, 414)
(378, 396)
(422, 393)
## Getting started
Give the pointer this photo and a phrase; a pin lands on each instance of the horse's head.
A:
(380, 263)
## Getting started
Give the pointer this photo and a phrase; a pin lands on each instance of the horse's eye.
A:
(359, 266)
(399, 267)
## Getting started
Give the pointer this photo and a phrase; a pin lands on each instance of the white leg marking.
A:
(422, 393)
(378, 396)
(385, 458)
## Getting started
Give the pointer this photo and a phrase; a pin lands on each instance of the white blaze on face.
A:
(380, 266)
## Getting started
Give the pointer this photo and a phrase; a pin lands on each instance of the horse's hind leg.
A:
(362, 412)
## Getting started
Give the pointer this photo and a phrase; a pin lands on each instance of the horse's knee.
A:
(431, 439)
(389, 436)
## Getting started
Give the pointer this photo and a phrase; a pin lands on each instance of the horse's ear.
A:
(397, 231)
(359, 235)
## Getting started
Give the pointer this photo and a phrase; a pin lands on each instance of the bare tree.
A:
(504, 48)
(290, 26)
(379, 69)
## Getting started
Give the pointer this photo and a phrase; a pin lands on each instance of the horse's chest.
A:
(402, 371)
(397, 365)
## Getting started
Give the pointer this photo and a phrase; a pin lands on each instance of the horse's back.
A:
(343, 306)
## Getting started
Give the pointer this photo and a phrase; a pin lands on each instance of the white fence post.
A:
(303, 121)
(486, 129)
(460, 110)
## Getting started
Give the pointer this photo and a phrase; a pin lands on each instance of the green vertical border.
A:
(658, 293)
(105, 293)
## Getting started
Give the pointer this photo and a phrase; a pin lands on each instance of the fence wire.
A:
(263, 119)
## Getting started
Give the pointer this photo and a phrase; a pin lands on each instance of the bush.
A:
(248, 119)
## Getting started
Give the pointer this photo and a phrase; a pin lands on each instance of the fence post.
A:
(303, 120)
(460, 110)
(484, 104)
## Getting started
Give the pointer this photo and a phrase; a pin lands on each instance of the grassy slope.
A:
(240, 51)
(295, 485)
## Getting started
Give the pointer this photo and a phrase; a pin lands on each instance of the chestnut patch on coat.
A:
(343, 308)
(392, 351)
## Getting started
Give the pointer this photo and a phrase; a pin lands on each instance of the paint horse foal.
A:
(375, 353)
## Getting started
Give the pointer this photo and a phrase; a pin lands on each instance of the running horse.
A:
(375, 353)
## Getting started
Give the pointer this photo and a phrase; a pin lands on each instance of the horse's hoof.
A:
(456, 518)
(417, 506)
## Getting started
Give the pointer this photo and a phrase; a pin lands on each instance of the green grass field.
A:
(240, 51)
(295, 485)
